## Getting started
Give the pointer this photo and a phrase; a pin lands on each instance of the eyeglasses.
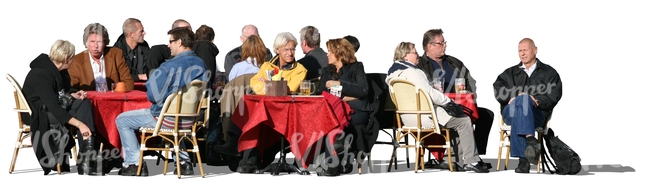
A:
(289, 49)
(171, 41)
(440, 43)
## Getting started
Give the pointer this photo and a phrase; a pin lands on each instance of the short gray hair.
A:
(311, 36)
(129, 25)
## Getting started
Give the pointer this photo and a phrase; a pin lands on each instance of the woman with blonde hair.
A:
(254, 53)
(56, 108)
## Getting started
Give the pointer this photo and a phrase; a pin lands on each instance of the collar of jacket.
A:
(540, 66)
(275, 61)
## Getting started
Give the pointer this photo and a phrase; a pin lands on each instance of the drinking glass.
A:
(307, 87)
(460, 85)
(102, 87)
(113, 87)
(436, 83)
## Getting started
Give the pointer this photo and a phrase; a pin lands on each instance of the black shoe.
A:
(248, 166)
(186, 169)
(532, 150)
(476, 168)
(487, 166)
(331, 171)
(227, 149)
(523, 167)
(444, 165)
(131, 170)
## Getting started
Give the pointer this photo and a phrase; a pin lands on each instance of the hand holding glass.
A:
(436, 83)
(460, 85)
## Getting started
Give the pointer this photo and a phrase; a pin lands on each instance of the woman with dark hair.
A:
(56, 109)
(205, 48)
(254, 53)
(344, 70)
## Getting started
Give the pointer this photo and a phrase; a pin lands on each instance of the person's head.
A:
(340, 51)
(133, 30)
(248, 30)
(434, 44)
(181, 23)
(309, 39)
(95, 39)
(527, 51)
(204, 33)
(255, 49)
(285, 46)
(354, 41)
(406, 51)
(61, 54)
(181, 39)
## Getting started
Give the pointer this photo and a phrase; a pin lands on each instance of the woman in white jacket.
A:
(449, 114)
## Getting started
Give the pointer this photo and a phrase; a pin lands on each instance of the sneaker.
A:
(532, 150)
(523, 167)
(131, 170)
(186, 169)
(476, 168)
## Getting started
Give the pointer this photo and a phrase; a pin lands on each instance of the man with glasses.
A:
(437, 64)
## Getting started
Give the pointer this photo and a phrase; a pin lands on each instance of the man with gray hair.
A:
(234, 56)
(315, 57)
(134, 48)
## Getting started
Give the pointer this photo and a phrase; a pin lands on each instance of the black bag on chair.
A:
(566, 160)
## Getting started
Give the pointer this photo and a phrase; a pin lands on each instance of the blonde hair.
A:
(402, 50)
(61, 50)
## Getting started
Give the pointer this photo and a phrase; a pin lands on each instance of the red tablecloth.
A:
(470, 108)
(106, 107)
(303, 120)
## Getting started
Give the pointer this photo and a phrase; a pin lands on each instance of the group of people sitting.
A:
(56, 84)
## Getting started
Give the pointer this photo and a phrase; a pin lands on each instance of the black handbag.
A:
(65, 99)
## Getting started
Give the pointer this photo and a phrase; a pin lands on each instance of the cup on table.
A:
(102, 87)
(459, 85)
(120, 87)
(336, 90)
(307, 87)
(436, 83)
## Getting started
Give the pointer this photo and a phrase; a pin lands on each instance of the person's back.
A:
(234, 56)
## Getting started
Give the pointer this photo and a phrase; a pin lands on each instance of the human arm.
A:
(356, 87)
(548, 92)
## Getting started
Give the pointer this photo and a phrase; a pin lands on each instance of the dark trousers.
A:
(482, 127)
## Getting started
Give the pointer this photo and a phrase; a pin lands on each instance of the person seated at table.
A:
(57, 106)
(158, 54)
(527, 93)
(254, 52)
(437, 64)
(158, 89)
(98, 64)
(344, 70)
(285, 61)
(405, 68)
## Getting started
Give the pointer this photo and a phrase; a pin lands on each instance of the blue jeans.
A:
(127, 123)
(523, 117)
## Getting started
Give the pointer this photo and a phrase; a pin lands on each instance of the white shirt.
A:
(100, 76)
(530, 70)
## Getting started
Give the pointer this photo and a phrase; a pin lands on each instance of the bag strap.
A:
(546, 159)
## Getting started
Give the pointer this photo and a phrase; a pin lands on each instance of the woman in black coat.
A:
(56, 108)
(344, 70)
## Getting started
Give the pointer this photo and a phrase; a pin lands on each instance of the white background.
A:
(598, 47)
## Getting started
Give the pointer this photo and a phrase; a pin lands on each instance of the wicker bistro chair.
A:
(412, 100)
(23, 111)
(504, 141)
(188, 106)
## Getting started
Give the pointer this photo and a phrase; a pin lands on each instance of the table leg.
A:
(281, 165)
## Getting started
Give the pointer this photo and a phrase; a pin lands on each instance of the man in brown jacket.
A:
(98, 64)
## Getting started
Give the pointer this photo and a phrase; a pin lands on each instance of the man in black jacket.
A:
(527, 93)
(134, 48)
(234, 56)
(437, 64)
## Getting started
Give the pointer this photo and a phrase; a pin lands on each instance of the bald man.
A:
(234, 55)
(527, 93)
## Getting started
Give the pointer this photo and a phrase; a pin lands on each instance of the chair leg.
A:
(449, 160)
(74, 153)
(166, 165)
(539, 160)
(370, 163)
(395, 138)
(507, 156)
(501, 142)
(393, 158)
(198, 155)
(19, 144)
(417, 153)
(178, 156)
(408, 162)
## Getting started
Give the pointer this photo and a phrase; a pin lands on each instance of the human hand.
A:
(80, 95)
(348, 98)
(534, 100)
(330, 83)
(85, 131)
(142, 76)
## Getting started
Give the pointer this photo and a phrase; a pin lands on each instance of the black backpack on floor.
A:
(564, 159)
